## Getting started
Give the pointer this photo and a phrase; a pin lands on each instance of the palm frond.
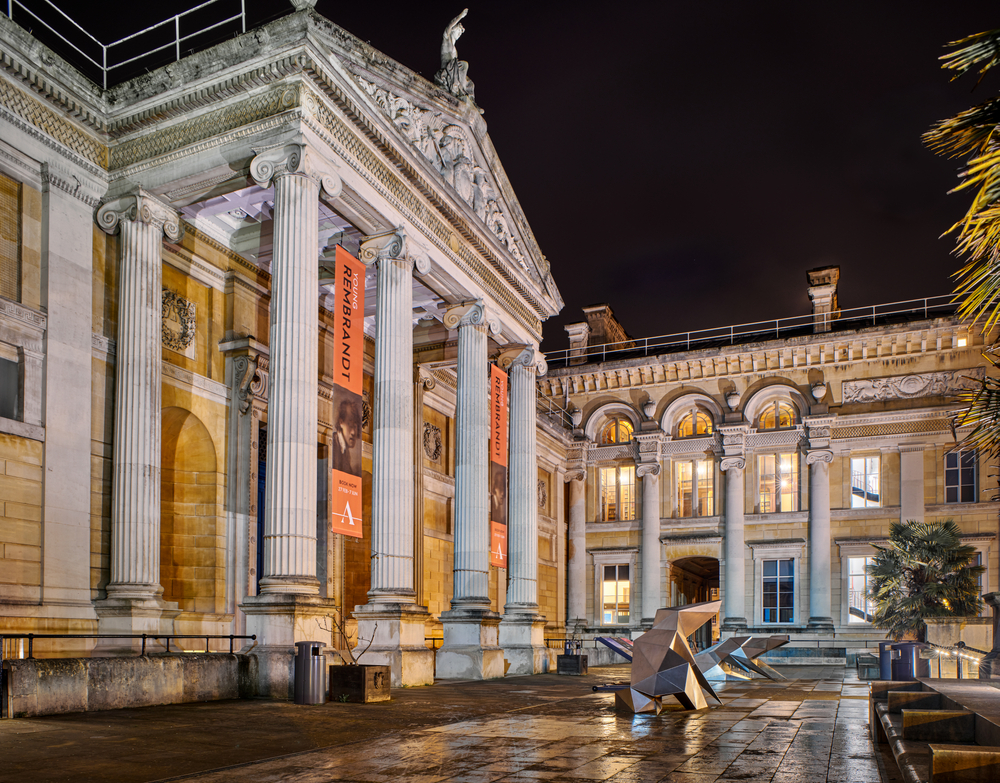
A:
(967, 133)
(975, 49)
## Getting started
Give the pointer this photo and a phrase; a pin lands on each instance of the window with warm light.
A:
(778, 590)
(695, 487)
(960, 477)
(694, 424)
(779, 482)
(865, 484)
(860, 609)
(776, 416)
(618, 430)
(617, 493)
(615, 592)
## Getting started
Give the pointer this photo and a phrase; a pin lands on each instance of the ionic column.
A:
(470, 649)
(820, 618)
(577, 555)
(290, 493)
(135, 490)
(471, 571)
(735, 607)
(522, 527)
(651, 599)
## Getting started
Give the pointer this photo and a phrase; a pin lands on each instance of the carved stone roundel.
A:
(432, 442)
(178, 321)
(543, 494)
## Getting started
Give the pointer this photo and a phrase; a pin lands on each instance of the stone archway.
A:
(192, 536)
(691, 580)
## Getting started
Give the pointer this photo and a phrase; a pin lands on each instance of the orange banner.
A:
(498, 467)
(348, 367)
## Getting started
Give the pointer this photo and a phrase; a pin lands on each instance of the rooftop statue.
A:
(454, 73)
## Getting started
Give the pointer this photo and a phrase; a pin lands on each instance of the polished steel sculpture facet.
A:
(662, 663)
(735, 658)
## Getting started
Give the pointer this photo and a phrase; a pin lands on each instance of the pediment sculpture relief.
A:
(446, 146)
(903, 387)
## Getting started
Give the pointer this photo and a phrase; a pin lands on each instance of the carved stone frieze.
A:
(447, 148)
(179, 322)
(433, 442)
(905, 387)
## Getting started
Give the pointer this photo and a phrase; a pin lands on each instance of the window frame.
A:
(775, 406)
(697, 505)
(778, 577)
(959, 469)
(627, 556)
(787, 550)
(866, 457)
(633, 503)
(796, 473)
(616, 421)
(695, 414)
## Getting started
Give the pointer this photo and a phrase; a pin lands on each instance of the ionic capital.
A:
(139, 207)
(514, 355)
(471, 314)
(388, 246)
(819, 455)
(733, 463)
(647, 469)
(293, 158)
(575, 474)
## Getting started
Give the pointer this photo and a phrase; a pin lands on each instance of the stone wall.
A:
(56, 685)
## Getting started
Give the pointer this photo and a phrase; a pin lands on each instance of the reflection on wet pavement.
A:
(810, 729)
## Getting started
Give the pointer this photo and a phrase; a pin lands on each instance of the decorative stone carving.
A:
(179, 324)
(389, 245)
(471, 313)
(142, 207)
(252, 374)
(818, 391)
(648, 468)
(733, 400)
(432, 442)
(366, 411)
(819, 455)
(543, 494)
(732, 463)
(454, 73)
(575, 474)
(446, 146)
(294, 158)
(904, 387)
(523, 355)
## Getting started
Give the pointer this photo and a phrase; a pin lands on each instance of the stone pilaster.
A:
(820, 618)
(911, 482)
(289, 608)
(651, 570)
(391, 618)
(470, 649)
(577, 554)
(134, 603)
(522, 630)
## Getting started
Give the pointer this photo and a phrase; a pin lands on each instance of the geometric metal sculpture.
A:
(736, 658)
(761, 645)
(662, 663)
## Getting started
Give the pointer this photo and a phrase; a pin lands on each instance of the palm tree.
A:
(974, 134)
(925, 571)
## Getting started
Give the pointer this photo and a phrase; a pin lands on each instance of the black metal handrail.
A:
(144, 636)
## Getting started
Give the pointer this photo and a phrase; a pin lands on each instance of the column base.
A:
(820, 624)
(734, 625)
(397, 635)
(470, 650)
(522, 637)
(130, 610)
(279, 620)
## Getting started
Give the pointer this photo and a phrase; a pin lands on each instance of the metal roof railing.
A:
(107, 58)
(854, 318)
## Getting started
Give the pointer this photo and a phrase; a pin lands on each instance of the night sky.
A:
(688, 162)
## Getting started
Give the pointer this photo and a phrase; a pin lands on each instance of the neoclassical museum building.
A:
(174, 313)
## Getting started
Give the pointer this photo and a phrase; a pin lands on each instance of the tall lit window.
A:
(859, 608)
(865, 492)
(779, 482)
(694, 424)
(615, 593)
(618, 493)
(777, 415)
(778, 590)
(695, 488)
(618, 430)
(960, 477)
(10, 238)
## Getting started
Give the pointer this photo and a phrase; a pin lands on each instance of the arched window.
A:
(777, 415)
(617, 430)
(694, 424)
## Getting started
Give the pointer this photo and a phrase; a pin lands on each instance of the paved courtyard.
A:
(809, 729)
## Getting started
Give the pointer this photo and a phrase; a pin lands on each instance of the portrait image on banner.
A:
(498, 467)
(348, 369)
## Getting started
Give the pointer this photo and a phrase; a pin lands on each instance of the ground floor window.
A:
(778, 590)
(860, 608)
(616, 591)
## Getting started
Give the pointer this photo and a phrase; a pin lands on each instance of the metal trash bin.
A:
(885, 660)
(310, 666)
(907, 663)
